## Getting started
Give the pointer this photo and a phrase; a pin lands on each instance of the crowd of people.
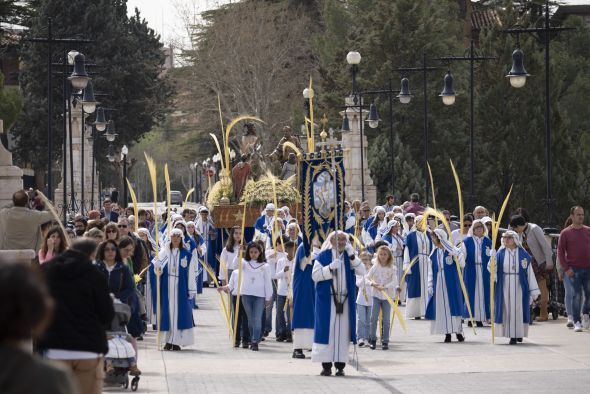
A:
(342, 291)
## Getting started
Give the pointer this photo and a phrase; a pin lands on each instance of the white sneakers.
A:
(578, 327)
(361, 342)
(570, 322)
(585, 322)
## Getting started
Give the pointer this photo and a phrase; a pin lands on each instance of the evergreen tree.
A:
(130, 57)
(408, 176)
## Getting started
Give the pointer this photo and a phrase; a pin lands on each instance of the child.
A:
(364, 300)
(243, 332)
(283, 276)
(230, 254)
(273, 253)
(256, 290)
(383, 279)
(445, 306)
(516, 287)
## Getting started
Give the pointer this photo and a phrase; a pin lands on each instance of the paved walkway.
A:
(552, 358)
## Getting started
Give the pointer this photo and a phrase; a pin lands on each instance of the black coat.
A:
(83, 306)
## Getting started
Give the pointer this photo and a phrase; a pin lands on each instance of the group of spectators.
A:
(62, 304)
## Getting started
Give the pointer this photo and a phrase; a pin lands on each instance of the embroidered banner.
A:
(322, 195)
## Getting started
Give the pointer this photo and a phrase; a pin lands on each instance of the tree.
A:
(408, 176)
(10, 104)
(255, 56)
(130, 58)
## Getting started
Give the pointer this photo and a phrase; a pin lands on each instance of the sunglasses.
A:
(111, 231)
(110, 249)
(122, 226)
(467, 225)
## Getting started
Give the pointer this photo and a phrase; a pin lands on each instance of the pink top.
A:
(573, 249)
(43, 258)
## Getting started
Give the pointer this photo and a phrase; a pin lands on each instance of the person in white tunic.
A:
(445, 306)
(177, 291)
(516, 288)
(334, 272)
(230, 254)
(418, 246)
(396, 245)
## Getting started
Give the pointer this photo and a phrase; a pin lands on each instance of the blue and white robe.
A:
(445, 306)
(476, 276)
(177, 289)
(302, 321)
(516, 288)
(334, 332)
(417, 244)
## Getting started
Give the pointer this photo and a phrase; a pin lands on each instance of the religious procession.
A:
(322, 274)
(242, 244)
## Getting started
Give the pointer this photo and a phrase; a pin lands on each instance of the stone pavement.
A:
(552, 358)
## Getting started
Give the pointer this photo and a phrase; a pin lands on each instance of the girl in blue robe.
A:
(418, 246)
(477, 249)
(516, 288)
(445, 305)
(177, 291)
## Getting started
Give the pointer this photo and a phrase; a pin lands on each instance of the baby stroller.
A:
(121, 354)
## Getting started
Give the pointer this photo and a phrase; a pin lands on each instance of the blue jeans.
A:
(254, 306)
(581, 283)
(383, 305)
(268, 310)
(242, 329)
(568, 287)
(363, 322)
(283, 320)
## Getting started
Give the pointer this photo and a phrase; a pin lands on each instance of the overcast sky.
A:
(163, 17)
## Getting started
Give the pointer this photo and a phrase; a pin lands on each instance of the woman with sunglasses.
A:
(111, 231)
(121, 284)
(177, 291)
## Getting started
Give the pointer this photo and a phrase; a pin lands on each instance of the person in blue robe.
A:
(177, 290)
(445, 303)
(476, 249)
(303, 287)
(334, 273)
(516, 289)
(418, 246)
(263, 223)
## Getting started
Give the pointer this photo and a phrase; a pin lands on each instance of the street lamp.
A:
(404, 95)
(448, 93)
(517, 74)
(79, 77)
(110, 134)
(345, 128)
(373, 118)
(88, 100)
(353, 58)
(518, 77)
(111, 153)
(100, 123)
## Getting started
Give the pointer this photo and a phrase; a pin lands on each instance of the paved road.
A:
(552, 358)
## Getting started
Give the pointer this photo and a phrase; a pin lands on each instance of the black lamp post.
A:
(424, 69)
(353, 58)
(448, 98)
(50, 40)
(518, 75)
(88, 106)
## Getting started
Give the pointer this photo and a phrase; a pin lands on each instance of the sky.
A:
(163, 15)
